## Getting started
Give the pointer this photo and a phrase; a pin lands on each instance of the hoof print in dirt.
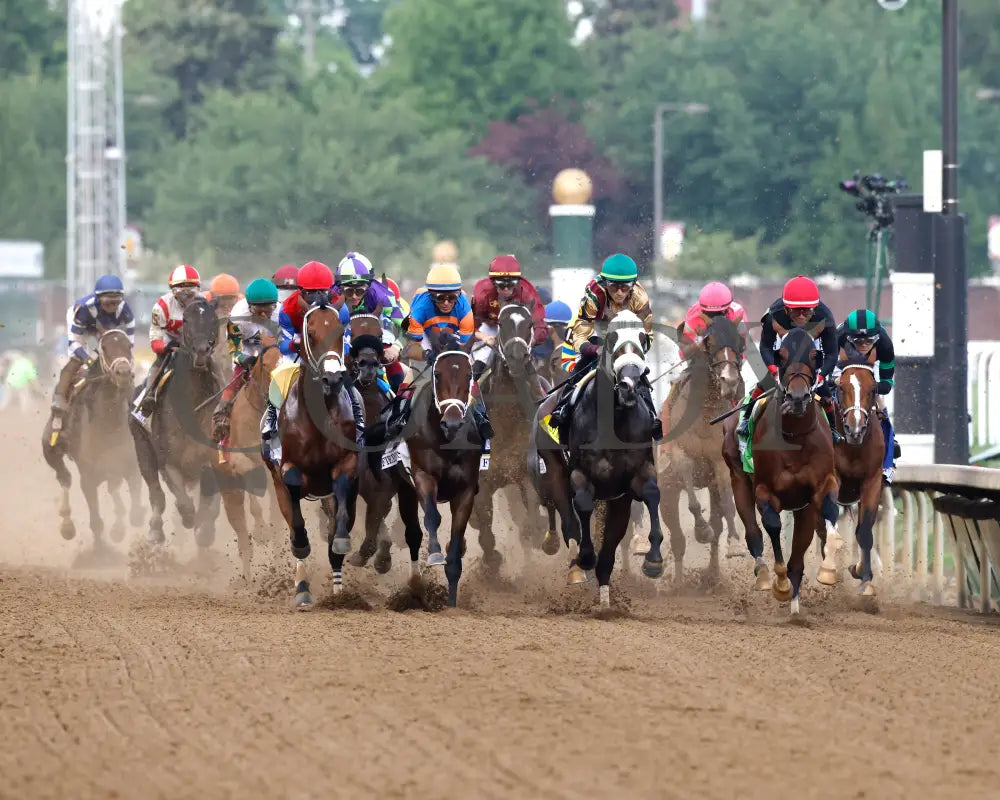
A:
(418, 595)
(347, 600)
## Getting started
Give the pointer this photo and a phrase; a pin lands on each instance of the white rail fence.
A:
(984, 397)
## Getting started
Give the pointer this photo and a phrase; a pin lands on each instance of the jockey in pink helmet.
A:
(714, 300)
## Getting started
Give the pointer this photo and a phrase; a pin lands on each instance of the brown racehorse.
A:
(511, 390)
(859, 457)
(319, 457)
(445, 453)
(96, 439)
(241, 475)
(793, 468)
(377, 488)
(691, 458)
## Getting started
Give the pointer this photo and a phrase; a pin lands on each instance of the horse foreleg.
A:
(723, 491)
(150, 471)
(206, 515)
(461, 510)
(832, 542)
(232, 500)
(781, 588)
(185, 506)
(409, 513)
(805, 523)
(584, 558)
(137, 512)
(345, 492)
(743, 498)
(670, 498)
(483, 508)
(615, 526)
(288, 490)
(89, 488)
(118, 526)
(54, 458)
(871, 494)
(647, 489)
(427, 492)
(685, 468)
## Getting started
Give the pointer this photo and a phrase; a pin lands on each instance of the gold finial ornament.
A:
(572, 187)
(445, 252)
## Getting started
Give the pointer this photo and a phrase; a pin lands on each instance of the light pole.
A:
(661, 109)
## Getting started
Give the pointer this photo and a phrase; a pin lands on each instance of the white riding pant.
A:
(482, 352)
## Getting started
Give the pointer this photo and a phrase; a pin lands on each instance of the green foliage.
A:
(32, 36)
(719, 256)
(471, 62)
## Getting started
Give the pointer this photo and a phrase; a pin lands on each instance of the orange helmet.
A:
(223, 284)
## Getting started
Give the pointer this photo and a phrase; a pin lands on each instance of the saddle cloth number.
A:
(484, 462)
(391, 456)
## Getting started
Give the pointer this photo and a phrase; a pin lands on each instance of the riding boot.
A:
(656, 428)
(357, 407)
(478, 369)
(270, 443)
(831, 417)
(743, 429)
(482, 420)
(891, 449)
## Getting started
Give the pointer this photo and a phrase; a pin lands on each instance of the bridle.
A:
(443, 405)
(516, 307)
(316, 363)
(108, 367)
(863, 412)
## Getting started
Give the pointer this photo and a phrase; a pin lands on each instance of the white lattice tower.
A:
(95, 144)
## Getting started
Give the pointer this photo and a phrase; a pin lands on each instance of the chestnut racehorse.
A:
(793, 468)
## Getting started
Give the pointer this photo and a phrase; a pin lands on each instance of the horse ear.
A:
(680, 329)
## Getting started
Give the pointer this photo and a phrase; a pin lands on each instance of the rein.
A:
(443, 405)
(864, 412)
(317, 363)
(107, 368)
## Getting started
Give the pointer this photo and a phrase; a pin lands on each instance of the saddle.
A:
(746, 450)
(282, 379)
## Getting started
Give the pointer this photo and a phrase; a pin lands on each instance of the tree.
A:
(472, 62)
(32, 36)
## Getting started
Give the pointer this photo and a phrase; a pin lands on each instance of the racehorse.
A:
(319, 457)
(96, 439)
(445, 454)
(377, 488)
(793, 469)
(240, 473)
(178, 444)
(606, 462)
(858, 458)
(511, 390)
(692, 457)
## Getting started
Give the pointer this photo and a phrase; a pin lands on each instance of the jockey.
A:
(286, 278)
(444, 307)
(253, 315)
(165, 333)
(504, 285)
(862, 331)
(225, 290)
(315, 289)
(714, 300)
(615, 289)
(798, 307)
(557, 317)
(104, 310)
(364, 295)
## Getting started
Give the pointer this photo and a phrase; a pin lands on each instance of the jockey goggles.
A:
(863, 341)
(505, 283)
(354, 289)
(444, 297)
(799, 312)
(617, 286)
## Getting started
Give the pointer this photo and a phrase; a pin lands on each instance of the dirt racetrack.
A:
(194, 684)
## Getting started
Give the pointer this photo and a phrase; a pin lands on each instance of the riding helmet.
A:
(443, 278)
(505, 267)
(184, 275)
(354, 268)
(558, 313)
(315, 275)
(109, 284)
(619, 268)
(715, 296)
(862, 323)
(261, 292)
(287, 276)
(224, 284)
(800, 292)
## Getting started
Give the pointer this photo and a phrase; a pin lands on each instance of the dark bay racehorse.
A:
(793, 468)
(95, 437)
(319, 456)
(179, 444)
(691, 457)
(609, 457)
(377, 488)
(511, 390)
(858, 457)
(445, 454)
(240, 472)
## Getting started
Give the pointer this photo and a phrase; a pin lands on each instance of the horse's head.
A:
(625, 356)
(514, 339)
(724, 347)
(452, 382)
(114, 351)
(797, 370)
(199, 331)
(856, 389)
(366, 347)
(323, 347)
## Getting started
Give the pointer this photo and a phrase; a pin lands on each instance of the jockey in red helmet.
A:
(286, 278)
(798, 307)
(714, 300)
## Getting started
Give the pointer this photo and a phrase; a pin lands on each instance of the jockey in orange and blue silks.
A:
(444, 307)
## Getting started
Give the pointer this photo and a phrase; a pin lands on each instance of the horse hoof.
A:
(736, 548)
(341, 545)
(383, 563)
(550, 544)
(303, 598)
(117, 532)
(827, 576)
(763, 579)
(357, 559)
(867, 590)
(639, 545)
(782, 591)
(703, 534)
(853, 569)
(435, 560)
(301, 552)
(652, 569)
(575, 576)
(67, 529)
(795, 606)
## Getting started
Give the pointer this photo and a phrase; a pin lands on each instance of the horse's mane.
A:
(725, 333)
(799, 344)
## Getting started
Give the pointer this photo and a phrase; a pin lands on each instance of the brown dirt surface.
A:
(194, 684)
